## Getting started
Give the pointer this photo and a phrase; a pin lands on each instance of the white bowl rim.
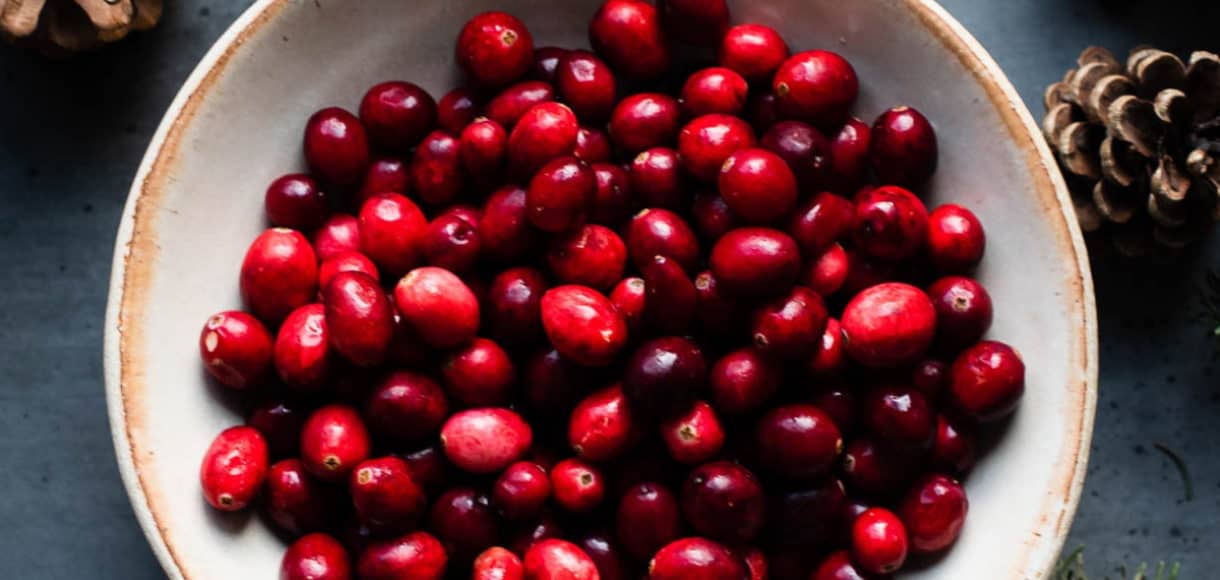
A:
(135, 246)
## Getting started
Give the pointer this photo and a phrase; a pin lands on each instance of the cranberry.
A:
(878, 541)
(544, 132)
(577, 486)
(838, 566)
(647, 519)
(429, 468)
(346, 262)
(963, 311)
(397, 114)
(546, 62)
(828, 359)
(333, 441)
(436, 169)
(514, 311)
(987, 381)
(583, 325)
(592, 255)
(497, 563)
(295, 201)
(438, 306)
(888, 324)
(482, 151)
(236, 349)
(930, 377)
(791, 563)
(508, 107)
(657, 180)
(452, 243)
(629, 296)
(900, 417)
(387, 499)
(359, 318)
(695, 436)
(716, 313)
(586, 84)
(790, 326)
(553, 383)
(279, 274)
(827, 274)
(698, 22)
(465, 523)
(336, 147)
(742, 381)
(804, 148)
(280, 422)
(614, 200)
(872, 469)
(504, 228)
(592, 145)
(756, 563)
(456, 109)
(818, 86)
(643, 121)
(819, 221)
(495, 49)
(392, 232)
(954, 449)
(753, 50)
(863, 273)
(758, 185)
(522, 490)
(724, 501)
(560, 194)
(541, 529)
(903, 150)
(840, 403)
(601, 426)
(660, 232)
(664, 375)
(406, 406)
(669, 304)
(762, 110)
(480, 373)
(849, 155)
(714, 90)
(627, 33)
(955, 241)
(554, 559)
(601, 548)
(417, 555)
(807, 516)
(890, 223)
(485, 440)
(712, 216)
(340, 233)
(798, 441)
(234, 468)
(695, 558)
(315, 557)
(755, 261)
(706, 142)
(933, 513)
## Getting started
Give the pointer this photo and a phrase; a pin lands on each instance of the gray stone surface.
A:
(72, 133)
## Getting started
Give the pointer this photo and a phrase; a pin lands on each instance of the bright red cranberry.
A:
(333, 440)
(664, 375)
(577, 486)
(933, 513)
(495, 49)
(888, 324)
(712, 217)
(755, 261)
(930, 377)
(697, 22)
(497, 563)
(406, 406)
(436, 171)
(873, 469)
(279, 274)
(647, 519)
(660, 232)
(600, 546)
(483, 151)
(695, 558)
(849, 156)
(878, 541)
(336, 146)
(508, 107)
(706, 142)
(340, 233)
(485, 440)
(544, 132)
(694, 436)
(716, 312)
(762, 110)
(522, 490)
(724, 501)
(514, 306)
(714, 90)
(790, 326)
(903, 150)
(601, 427)
(669, 303)
(587, 85)
(742, 381)
(838, 566)
(900, 417)
(418, 556)
(452, 243)
(546, 62)
(386, 498)
(560, 194)
(818, 86)
(828, 360)
(554, 559)
(627, 33)
(505, 233)
(583, 325)
(280, 422)
(987, 381)
(629, 296)
(392, 232)
(890, 223)
(657, 180)
(295, 201)
(840, 403)
(346, 262)
(359, 318)
(397, 114)
(643, 121)
(234, 468)
(798, 441)
(236, 349)
(963, 311)
(592, 146)
(956, 240)
(955, 448)
(592, 255)
(753, 50)
(438, 306)
(479, 374)
(614, 199)
(820, 221)
(827, 274)
(807, 516)
(804, 148)
(757, 185)
(316, 557)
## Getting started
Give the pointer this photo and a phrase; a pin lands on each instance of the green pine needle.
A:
(1071, 567)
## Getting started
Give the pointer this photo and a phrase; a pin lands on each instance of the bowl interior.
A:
(197, 204)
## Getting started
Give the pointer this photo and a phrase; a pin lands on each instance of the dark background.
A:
(72, 133)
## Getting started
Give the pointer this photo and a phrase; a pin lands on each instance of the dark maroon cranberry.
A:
(452, 243)
(697, 22)
(406, 406)
(849, 156)
(756, 563)
(544, 132)
(872, 469)
(601, 547)
(798, 441)
(660, 232)
(903, 150)
(336, 147)
(758, 185)
(553, 384)
(714, 90)
(753, 50)
(762, 110)
(717, 313)
(890, 223)
(669, 303)
(656, 179)
(386, 498)
(436, 169)
(560, 194)
(495, 49)
(592, 145)
(807, 516)
(627, 33)
(483, 151)
(614, 200)
(514, 312)
(647, 519)
(863, 273)
(933, 513)
(384, 175)
(963, 311)
(464, 521)
(954, 449)
(294, 201)
(987, 381)
(790, 326)
(587, 85)
(955, 239)
(838, 566)
(546, 60)
(706, 142)
(479, 374)
(755, 261)
(900, 417)
(712, 217)
(543, 528)
(827, 273)
(508, 107)
(695, 558)
(664, 376)
(643, 121)
(577, 487)
(504, 228)
(296, 502)
(397, 114)
(930, 377)
(521, 491)
(455, 110)
(280, 423)
(840, 403)
(591, 255)
(629, 297)
(804, 148)
(820, 221)
(817, 86)
(724, 501)
(742, 381)
(429, 468)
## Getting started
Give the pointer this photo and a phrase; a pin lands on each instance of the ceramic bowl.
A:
(237, 123)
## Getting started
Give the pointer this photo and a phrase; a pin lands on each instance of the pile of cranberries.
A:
(640, 311)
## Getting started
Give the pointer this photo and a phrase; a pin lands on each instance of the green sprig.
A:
(1071, 567)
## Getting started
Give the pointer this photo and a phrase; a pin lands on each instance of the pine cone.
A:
(1140, 146)
(68, 26)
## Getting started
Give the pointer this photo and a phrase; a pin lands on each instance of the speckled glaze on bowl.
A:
(236, 124)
